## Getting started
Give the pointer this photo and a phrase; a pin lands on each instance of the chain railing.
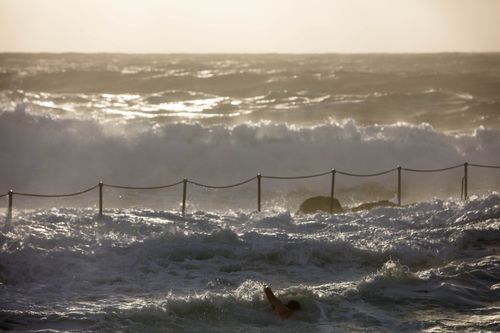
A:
(259, 177)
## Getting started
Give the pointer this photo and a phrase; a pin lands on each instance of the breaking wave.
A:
(41, 154)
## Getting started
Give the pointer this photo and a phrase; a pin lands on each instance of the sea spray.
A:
(49, 156)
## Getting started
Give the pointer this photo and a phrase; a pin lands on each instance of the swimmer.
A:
(280, 309)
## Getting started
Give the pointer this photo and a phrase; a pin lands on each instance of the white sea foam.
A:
(146, 269)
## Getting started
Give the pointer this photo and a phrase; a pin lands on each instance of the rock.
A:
(322, 204)
(371, 205)
(319, 203)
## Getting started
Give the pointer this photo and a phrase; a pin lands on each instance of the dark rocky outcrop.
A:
(322, 204)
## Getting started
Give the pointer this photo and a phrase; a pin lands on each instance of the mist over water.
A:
(68, 121)
(45, 155)
(153, 119)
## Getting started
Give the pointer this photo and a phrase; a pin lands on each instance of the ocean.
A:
(68, 121)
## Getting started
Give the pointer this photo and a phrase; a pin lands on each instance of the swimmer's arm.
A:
(279, 308)
(275, 302)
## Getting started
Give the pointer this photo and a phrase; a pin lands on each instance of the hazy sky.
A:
(166, 26)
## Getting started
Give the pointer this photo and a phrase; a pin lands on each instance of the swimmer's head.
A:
(293, 305)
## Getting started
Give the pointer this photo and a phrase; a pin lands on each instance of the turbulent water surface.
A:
(432, 266)
(68, 121)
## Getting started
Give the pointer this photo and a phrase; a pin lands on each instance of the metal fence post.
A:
(101, 185)
(399, 185)
(462, 189)
(258, 191)
(465, 180)
(9, 212)
(184, 190)
(332, 191)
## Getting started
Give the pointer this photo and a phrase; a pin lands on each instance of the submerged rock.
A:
(371, 205)
(322, 204)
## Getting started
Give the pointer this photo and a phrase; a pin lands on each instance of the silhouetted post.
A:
(9, 212)
(466, 165)
(184, 190)
(399, 185)
(332, 191)
(258, 191)
(101, 185)
(462, 189)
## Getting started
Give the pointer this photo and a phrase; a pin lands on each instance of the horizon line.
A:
(246, 53)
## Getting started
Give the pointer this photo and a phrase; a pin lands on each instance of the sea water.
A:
(432, 266)
(68, 121)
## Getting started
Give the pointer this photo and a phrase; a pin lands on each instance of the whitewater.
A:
(432, 266)
(68, 121)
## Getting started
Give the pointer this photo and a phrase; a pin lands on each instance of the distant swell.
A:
(452, 92)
